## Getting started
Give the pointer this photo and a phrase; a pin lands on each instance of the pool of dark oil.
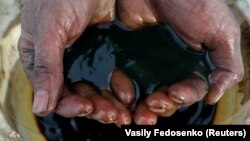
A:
(152, 57)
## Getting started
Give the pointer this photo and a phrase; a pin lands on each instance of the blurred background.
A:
(18, 123)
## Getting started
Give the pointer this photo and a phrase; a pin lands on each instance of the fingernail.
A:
(89, 109)
(127, 121)
(82, 114)
(123, 120)
(153, 19)
(143, 121)
(139, 19)
(106, 122)
(111, 119)
(40, 104)
(178, 100)
(158, 109)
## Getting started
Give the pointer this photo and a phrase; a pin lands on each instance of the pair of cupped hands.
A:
(48, 26)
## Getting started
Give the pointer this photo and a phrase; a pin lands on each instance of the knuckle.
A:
(26, 56)
(41, 68)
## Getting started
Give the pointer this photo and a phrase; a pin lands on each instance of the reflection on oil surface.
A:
(151, 57)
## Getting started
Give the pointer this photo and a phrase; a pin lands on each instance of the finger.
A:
(104, 111)
(73, 105)
(188, 91)
(130, 14)
(105, 12)
(219, 33)
(137, 14)
(124, 117)
(122, 87)
(48, 74)
(149, 13)
(51, 34)
(225, 54)
(81, 105)
(41, 96)
(143, 116)
(159, 102)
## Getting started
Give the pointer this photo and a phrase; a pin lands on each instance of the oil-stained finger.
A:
(122, 87)
(104, 111)
(73, 105)
(160, 103)
(188, 91)
(143, 116)
(124, 116)
(137, 14)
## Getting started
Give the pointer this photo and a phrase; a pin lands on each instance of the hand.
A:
(203, 25)
(100, 104)
(47, 28)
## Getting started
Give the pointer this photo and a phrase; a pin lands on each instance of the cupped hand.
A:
(203, 25)
(47, 28)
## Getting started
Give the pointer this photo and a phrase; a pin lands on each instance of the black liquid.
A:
(151, 57)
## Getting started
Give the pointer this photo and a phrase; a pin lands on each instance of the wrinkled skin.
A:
(203, 25)
(49, 26)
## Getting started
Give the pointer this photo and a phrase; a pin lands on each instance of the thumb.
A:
(225, 53)
(48, 74)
